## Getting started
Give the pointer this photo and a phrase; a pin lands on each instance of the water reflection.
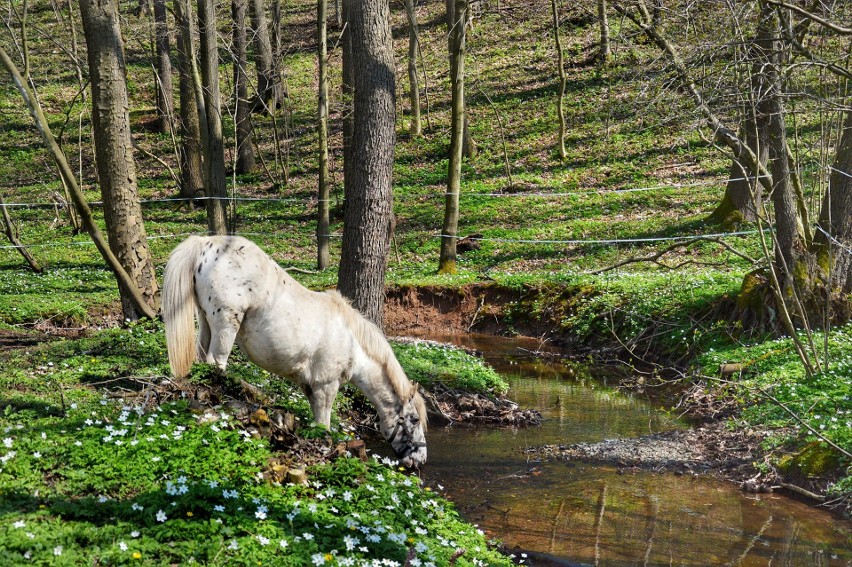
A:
(600, 515)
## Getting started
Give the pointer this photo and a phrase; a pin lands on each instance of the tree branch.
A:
(801, 11)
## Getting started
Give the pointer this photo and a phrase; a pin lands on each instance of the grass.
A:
(93, 469)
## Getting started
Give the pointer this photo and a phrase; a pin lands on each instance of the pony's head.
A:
(407, 432)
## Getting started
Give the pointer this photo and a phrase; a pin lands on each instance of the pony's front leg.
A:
(321, 398)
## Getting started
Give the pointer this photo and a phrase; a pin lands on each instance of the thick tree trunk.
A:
(165, 90)
(214, 149)
(270, 90)
(368, 215)
(115, 164)
(244, 131)
(324, 193)
(192, 166)
(449, 232)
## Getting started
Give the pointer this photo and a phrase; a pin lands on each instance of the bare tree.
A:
(114, 148)
(605, 50)
(211, 106)
(324, 190)
(368, 213)
(563, 79)
(165, 90)
(833, 240)
(449, 232)
(270, 88)
(191, 151)
(244, 162)
(416, 128)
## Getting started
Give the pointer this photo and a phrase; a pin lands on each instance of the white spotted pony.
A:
(315, 339)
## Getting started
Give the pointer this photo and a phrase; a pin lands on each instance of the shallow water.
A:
(598, 515)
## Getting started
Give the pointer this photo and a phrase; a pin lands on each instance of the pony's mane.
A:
(373, 341)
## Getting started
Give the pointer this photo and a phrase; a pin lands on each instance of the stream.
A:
(570, 513)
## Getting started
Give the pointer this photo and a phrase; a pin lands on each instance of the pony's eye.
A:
(414, 419)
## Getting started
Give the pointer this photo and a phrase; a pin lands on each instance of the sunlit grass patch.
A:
(118, 484)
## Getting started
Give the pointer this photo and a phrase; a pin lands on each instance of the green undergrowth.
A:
(93, 470)
(774, 390)
(429, 364)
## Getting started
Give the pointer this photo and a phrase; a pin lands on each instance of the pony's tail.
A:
(179, 305)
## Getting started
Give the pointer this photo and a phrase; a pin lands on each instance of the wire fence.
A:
(529, 241)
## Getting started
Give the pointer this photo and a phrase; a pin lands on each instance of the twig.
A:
(660, 253)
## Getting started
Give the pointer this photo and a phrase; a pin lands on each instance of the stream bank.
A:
(737, 454)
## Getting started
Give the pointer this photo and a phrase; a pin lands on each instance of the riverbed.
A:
(605, 515)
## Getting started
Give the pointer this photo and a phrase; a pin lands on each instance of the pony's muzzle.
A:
(412, 457)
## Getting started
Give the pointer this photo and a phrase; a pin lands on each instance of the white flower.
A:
(122, 546)
(7, 442)
(57, 551)
(308, 536)
(262, 540)
(318, 559)
(350, 542)
(218, 508)
(161, 516)
(233, 544)
(283, 543)
(20, 524)
(134, 533)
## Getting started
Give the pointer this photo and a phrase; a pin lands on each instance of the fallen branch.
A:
(12, 235)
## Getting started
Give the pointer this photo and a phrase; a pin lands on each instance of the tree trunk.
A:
(192, 166)
(416, 128)
(115, 164)
(214, 149)
(368, 214)
(743, 198)
(449, 232)
(324, 192)
(270, 91)
(604, 51)
(770, 110)
(165, 90)
(125, 281)
(833, 242)
(242, 117)
(563, 80)
(347, 92)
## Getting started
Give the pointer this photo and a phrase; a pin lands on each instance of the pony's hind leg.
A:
(223, 333)
(202, 345)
